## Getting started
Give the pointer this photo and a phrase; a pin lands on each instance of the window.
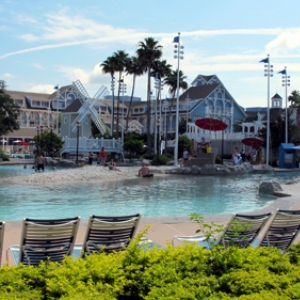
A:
(19, 102)
(36, 103)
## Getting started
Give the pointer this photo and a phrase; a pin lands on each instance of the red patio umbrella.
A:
(253, 142)
(23, 143)
(211, 124)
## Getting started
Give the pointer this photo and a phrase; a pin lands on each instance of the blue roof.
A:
(287, 146)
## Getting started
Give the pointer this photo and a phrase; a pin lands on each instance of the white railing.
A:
(91, 145)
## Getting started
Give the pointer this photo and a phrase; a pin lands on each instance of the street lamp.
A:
(78, 127)
(158, 140)
(268, 74)
(158, 87)
(39, 129)
(37, 140)
(123, 91)
(51, 128)
(113, 105)
(179, 55)
(285, 83)
(187, 99)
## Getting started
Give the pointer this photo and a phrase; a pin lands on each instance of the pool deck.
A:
(162, 230)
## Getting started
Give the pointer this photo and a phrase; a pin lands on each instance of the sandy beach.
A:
(161, 231)
(86, 173)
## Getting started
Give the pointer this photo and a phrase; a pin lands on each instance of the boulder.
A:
(269, 187)
(66, 163)
(194, 170)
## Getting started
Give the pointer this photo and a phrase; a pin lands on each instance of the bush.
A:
(4, 156)
(163, 159)
(218, 160)
(185, 272)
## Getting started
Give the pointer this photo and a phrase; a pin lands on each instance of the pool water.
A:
(155, 197)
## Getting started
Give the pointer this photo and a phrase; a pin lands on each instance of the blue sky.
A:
(45, 43)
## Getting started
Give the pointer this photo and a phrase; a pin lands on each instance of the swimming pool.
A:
(157, 197)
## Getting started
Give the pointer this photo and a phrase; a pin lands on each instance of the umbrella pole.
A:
(222, 145)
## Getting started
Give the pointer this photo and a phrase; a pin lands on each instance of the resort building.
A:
(207, 97)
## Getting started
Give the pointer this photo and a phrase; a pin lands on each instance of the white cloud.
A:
(38, 66)
(42, 88)
(29, 37)
(8, 75)
(287, 40)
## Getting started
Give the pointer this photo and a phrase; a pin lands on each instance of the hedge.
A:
(184, 272)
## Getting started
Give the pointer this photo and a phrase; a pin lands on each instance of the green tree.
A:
(135, 68)
(184, 142)
(277, 130)
(148, 51)
(9, 113)
(121, 60)
(48, 143)
(109, 67)
(134, 144)
(171, 81)
(294, 98)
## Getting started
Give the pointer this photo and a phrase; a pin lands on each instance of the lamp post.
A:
(268, 74)
(51, 151)
(178, 56)
(113, 106)
(123, 90)
(37, 140)
(285, 83)
(158, 141)
(57, 106)
(187, 99)
(78, 127)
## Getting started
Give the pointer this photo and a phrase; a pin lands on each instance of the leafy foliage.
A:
(277, 130)
(184, 142)
(184, 272)
(9, 114)
(48, 143)
(4, 156)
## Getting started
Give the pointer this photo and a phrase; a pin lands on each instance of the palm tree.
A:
(294, 98)
(134, 67)
(109, 67)
(121, 59)
(162, 69)
(148, 51)
(171, 81)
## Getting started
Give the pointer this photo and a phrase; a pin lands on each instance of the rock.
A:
(66, 163)
(277, 185)
(186, 170)
(269, 187)
(194, 170)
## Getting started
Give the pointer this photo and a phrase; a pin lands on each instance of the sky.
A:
(49, 43)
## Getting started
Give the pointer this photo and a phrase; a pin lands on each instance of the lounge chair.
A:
(283, 230)
(109, 233)
(2, 226)
(241, 231)
(45, 240)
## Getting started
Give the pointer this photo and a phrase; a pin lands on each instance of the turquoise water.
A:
(155, 197)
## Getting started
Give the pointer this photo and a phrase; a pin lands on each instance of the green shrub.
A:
(184, 272)
(218, 160)
(4, 156)
(163, 160)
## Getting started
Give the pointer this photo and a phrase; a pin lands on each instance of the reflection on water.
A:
(152, 197)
